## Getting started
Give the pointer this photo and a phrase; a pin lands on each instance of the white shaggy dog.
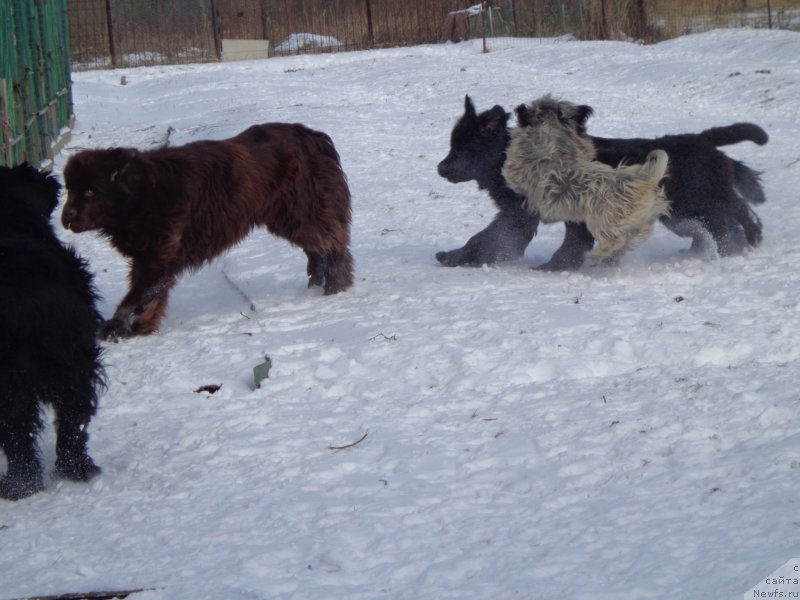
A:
(550, 160)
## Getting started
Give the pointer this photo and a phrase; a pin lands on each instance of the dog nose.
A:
(68, 215)
(442, 168)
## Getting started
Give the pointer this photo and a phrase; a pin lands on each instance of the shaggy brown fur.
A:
(174, 209)
(551, 164)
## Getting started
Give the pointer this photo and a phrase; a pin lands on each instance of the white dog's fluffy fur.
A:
(550, 161)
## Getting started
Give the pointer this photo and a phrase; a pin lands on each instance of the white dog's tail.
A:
(655, 165)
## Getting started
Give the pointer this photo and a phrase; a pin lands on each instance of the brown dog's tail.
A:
(733, 134)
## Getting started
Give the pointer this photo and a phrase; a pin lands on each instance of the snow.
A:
(620, 432)
(472, 11)
(298, 41)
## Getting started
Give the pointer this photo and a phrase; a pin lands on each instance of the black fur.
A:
(48, 326)
(708, 191)
(477, 152)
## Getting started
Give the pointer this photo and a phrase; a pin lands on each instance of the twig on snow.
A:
(211, 388)
(388, 338)
(87, 595)
(356, 443)
(250, 304)
(164, 142)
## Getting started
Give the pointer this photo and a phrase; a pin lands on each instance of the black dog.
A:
(477, 152)
(707, 190)
(48, 324)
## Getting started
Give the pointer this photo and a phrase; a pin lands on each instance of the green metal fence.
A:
(35, 93)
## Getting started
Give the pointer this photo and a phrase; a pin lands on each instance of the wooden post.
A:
(603, 22)
(514, 16)
(483, 26)
(370, 34)
(264, 29)
(110, 26)
(215, 26)
(5, 122)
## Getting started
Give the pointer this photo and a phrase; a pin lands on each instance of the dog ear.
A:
(48, 198)
(127, 172)
(25, 183)
(584, 111)
(523, 115)
(494, 119)
(469, 107)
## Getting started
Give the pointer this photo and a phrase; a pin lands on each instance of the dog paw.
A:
(460, 258)
(82, 469)
(448, 259)
(19, 487)
(604, 262)
(330, 288)
(558, 264)
(338, 276)
(114, 330)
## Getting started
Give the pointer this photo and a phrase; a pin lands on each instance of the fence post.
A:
(514, 16)
(605, 21)
(483, 26)
(110, 27)
(370, 34)
(264, 29)
(5, 123)
(215, 27)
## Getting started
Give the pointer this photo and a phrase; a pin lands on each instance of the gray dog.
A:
(553, 165)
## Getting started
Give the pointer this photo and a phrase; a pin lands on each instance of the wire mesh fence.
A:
(117, 33)
(112, 33)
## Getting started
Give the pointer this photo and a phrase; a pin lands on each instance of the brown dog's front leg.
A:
(144, 305)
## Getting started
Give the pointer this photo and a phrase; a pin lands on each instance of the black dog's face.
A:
(477, 142)
(26, 184)
(96, 187)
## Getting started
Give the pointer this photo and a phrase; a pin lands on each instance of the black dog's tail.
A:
(748, 183)
(738, 132)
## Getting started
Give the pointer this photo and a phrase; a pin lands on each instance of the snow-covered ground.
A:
(628, 432)
(297, 42)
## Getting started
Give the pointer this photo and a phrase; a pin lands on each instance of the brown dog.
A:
(174, 209)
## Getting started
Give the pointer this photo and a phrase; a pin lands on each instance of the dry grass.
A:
(653, 20)
(671, 18)
(617, 19)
